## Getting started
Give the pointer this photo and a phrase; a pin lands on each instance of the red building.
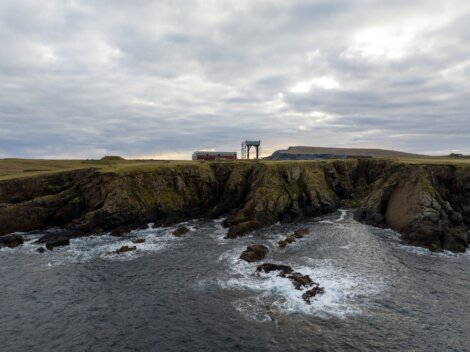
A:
(214, 156)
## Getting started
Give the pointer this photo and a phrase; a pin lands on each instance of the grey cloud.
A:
(87, 78)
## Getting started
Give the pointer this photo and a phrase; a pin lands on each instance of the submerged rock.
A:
(299, 233)
(11, 241)
(125, 249)
(40, 250)
(254, 252)
(180, 231)
(282, 243)
(58, 243)
(138, 240)
(292, 238)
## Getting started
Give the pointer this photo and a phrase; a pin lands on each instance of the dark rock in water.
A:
(299, 233)
(59, 243)
(243, 228)
(254, 252)
(290, 239)
(312, 293)
(40, 250)
(268, 267)
(300, 281)
(139, 240)
(59, 236)
(125, 249)
(180, 231)
(282, 243)
(11, 241)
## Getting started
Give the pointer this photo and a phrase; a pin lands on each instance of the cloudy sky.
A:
(163, 78)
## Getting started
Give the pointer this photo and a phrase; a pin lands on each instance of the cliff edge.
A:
(428, 204)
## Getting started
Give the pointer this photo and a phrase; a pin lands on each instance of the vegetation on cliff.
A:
(428, 204)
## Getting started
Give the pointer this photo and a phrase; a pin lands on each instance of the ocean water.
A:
(194, 293)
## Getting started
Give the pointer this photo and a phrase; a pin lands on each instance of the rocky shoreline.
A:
(428, 204)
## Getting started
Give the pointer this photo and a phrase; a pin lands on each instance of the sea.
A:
(193, 293)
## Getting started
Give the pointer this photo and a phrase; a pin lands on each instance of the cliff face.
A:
(429, 205)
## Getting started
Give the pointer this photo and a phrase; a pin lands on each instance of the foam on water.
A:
(104, 247)
(271, 295)
(343, 213)
(395, 241)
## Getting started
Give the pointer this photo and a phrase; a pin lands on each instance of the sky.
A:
(161, 79)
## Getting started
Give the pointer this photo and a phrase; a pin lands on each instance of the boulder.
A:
(125, 249)
(243, 228)
(40, 250)
(180, 231)
(254, 252)
(11, 241)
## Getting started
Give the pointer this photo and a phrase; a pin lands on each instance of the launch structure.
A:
(247, 145)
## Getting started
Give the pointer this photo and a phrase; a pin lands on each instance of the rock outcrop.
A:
(11, 241)
(254, 252)
(180, 231)
(428, 204)
(409, 201)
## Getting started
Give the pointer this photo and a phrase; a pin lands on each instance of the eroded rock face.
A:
(409, 203)
(428, 204)
(254, 252)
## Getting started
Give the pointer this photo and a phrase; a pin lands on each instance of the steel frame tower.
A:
(247, 145)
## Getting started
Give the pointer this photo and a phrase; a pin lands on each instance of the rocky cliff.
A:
(428, 204)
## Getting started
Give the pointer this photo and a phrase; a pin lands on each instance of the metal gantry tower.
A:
(247, 145)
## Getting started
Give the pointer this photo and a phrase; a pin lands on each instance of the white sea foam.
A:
(104, 247)
(345, 293)
(343, 213)
(396, 241)
(329, 222)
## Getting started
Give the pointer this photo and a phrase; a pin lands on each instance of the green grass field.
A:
(17, 168)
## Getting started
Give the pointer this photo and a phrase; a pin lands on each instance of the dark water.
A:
(193, 294)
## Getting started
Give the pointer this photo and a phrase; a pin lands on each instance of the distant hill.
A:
(306, 153)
